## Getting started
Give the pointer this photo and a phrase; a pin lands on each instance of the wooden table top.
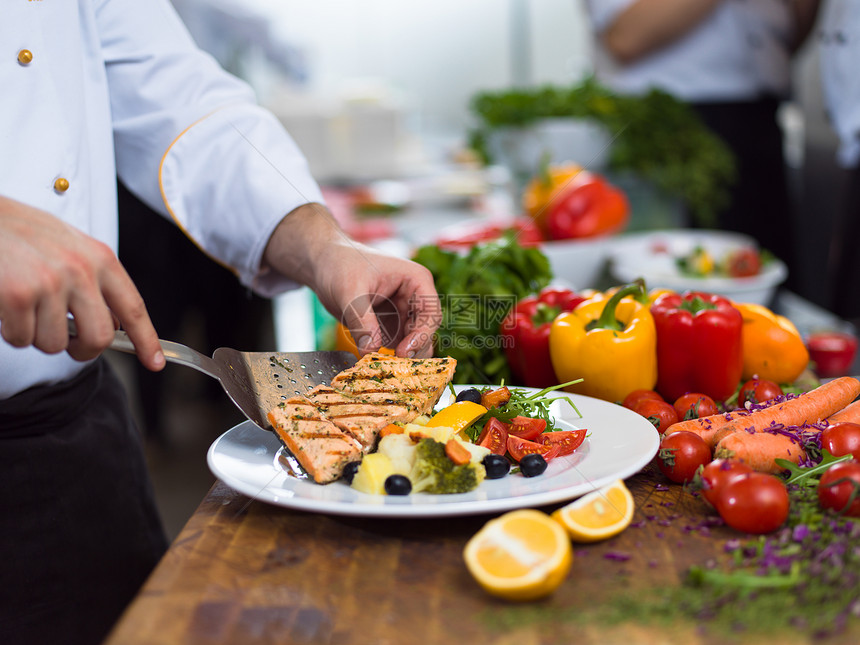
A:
(246, 572)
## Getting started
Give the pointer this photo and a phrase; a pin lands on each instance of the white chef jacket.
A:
(739, 52)
(839, 41)
(94, 88)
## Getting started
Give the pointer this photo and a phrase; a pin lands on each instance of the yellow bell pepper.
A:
(773, 348)
(610, 343)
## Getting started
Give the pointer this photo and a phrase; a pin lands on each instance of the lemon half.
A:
(598, 515)
(521, 555)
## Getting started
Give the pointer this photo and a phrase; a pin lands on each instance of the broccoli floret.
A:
(434, 472)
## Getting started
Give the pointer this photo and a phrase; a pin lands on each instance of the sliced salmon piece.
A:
(362, 417)
(321, 447)
(335, 424)
(415, 383)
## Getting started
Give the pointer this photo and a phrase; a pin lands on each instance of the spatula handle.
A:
(173, 352)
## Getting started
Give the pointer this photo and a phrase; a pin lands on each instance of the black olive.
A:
(532, 465)
(496, 466)
(469, 395)
(397, 485)
(349, 471)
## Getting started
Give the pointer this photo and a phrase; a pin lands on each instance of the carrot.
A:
(758, 450)
(850, 414)
(705, 427)
(457, 453)
(811, 407)
(391, 428)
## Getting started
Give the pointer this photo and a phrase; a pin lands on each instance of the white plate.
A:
(619, 444)
(653, 255)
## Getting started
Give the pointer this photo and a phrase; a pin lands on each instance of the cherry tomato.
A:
(838, 485)
(519, 448)
(832, 352)
(758, 390)
(718, 474)
(526, 427)
(681, 454)
(842, 439)
(743, 263)
(754, 503)
(694, 406)
(494, 436)
(566, 440)
(633, 399)
(660, 413)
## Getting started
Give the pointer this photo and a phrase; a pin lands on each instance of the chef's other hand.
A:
(49, 269)
(383, 300)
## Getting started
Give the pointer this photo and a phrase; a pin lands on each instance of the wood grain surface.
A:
(249, 573)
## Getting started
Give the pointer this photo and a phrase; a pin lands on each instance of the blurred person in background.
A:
(92, 91)
(730, 61)
(839, 41)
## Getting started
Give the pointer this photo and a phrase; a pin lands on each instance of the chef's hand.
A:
(383, 300)
(49, 269)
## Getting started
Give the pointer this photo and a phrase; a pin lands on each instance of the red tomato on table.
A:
(837, 487)
(681, 454)
(695, 406)
(660, 413)
(842, 439)
(719, 473)
(754, 503)
(758, 390)
(636, 396)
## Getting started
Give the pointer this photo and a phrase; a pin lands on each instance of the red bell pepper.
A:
(525, 334)
(589, 207)
(699, 346)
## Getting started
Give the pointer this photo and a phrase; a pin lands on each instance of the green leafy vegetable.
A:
(656, 136)
(477, 290)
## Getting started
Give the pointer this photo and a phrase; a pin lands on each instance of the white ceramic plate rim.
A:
(619, 444)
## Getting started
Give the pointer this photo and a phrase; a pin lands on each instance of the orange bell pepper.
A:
(773, 348)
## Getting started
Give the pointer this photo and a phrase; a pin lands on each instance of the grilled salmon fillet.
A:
(333, 425)
(319, 445)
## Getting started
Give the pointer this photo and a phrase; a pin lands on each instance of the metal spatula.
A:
(255, 381)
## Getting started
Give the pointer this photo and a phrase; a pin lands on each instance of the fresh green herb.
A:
(477, 290)
(655, 136)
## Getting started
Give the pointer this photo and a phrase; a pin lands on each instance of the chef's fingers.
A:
(359, 317)
(422, 314)
(124, 301)
(93, 325)
(51, 332)
(17, 316)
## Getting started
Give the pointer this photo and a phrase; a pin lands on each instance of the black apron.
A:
(79, 528)
(760, 204)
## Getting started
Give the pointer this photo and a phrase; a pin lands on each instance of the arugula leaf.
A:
(798, 474)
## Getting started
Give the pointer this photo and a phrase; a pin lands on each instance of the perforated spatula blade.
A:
(255, 381)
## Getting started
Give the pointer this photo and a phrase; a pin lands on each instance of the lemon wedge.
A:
(458, 416)
(598, 515)
(521, 555)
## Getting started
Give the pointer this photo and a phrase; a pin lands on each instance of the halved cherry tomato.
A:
(694, 406)
(660, 413)
(494, 436)
(636, 396)
(519, 448)
(758, 390)
(566, 440)
(526, 427)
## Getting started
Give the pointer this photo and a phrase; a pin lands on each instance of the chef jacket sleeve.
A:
(192, 142)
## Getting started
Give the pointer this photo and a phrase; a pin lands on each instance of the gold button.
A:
(61, 185)
(25, 56)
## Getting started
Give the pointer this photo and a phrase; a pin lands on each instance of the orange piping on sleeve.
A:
(167, 203)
